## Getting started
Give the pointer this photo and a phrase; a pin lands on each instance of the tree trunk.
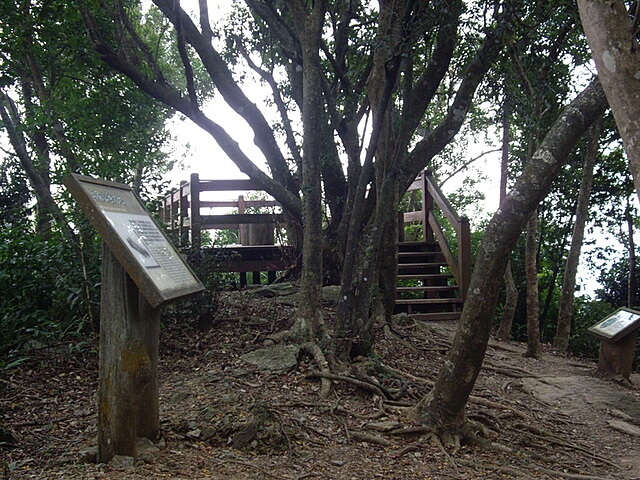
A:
(612, 35)
(558, 258)
(309, 26)
(443, 408)
(533, 299)
(47, 207)
(565, 314)
(631, 248)
(361, 270)
(511, 291)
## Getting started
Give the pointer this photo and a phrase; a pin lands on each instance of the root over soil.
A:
(222, 418)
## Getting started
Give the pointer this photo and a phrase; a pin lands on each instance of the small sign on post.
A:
(618, 332)
(141, 270)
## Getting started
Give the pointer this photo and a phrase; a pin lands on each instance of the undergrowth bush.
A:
(44, 291)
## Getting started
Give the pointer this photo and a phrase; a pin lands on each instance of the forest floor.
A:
(223, 417)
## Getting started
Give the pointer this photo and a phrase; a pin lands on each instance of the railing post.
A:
(464, 256)
(183, 213)
(427, 207)
(195, 210)
(243, 229)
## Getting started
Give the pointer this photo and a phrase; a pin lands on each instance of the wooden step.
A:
(422, 265)
(423, 262)
(426, 276)
(409, 253)
(428, 301)
(418, 247)
(428, 288)
(434, 316)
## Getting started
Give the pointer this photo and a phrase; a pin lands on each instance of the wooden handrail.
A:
(460, 264)
(181, 208)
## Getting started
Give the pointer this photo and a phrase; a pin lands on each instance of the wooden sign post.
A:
(141, 270)
(618, 332)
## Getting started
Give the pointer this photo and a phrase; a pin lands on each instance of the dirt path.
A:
(224, 418)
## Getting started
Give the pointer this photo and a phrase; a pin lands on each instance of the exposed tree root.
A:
(498, 406)
(320, 360)
(370, 438)
(398, 337)
(365, 385)
(507, 370)
(549, 438)
(488, 420)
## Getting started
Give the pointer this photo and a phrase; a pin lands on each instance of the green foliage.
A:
(14, 194)
(42, 290)
(614, 278)
(587, 313)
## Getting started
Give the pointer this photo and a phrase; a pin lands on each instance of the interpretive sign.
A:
(617, 325)
(136, 240)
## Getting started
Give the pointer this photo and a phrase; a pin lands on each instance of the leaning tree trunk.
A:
(612, 34)
(533, 300)
(443, 408)
(565, 315)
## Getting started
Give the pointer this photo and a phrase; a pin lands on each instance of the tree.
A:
(532, 76)
(393, 65)
(511, 291)
(612, 32)
(444, 407)
(565, 315)
(308, 25)
(402, 65)
(53, 92)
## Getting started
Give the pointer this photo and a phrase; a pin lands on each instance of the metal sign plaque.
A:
(617, 325)
(135, 239)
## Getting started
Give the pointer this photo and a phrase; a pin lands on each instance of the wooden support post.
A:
(400, 227)
(196, 223)
(243, 228)
(128, 378)
(464, 256)
(617, 358)
(427, 208)
(183, 213)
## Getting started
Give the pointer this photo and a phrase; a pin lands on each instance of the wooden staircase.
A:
(426, 288)
(432, 280)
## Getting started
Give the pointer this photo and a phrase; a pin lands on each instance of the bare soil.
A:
(222, 418)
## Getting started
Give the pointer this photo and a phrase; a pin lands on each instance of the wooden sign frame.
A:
(617, 325)
(136, 240)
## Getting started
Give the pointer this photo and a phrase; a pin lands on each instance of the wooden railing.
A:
(181, 210)
(460, 264)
